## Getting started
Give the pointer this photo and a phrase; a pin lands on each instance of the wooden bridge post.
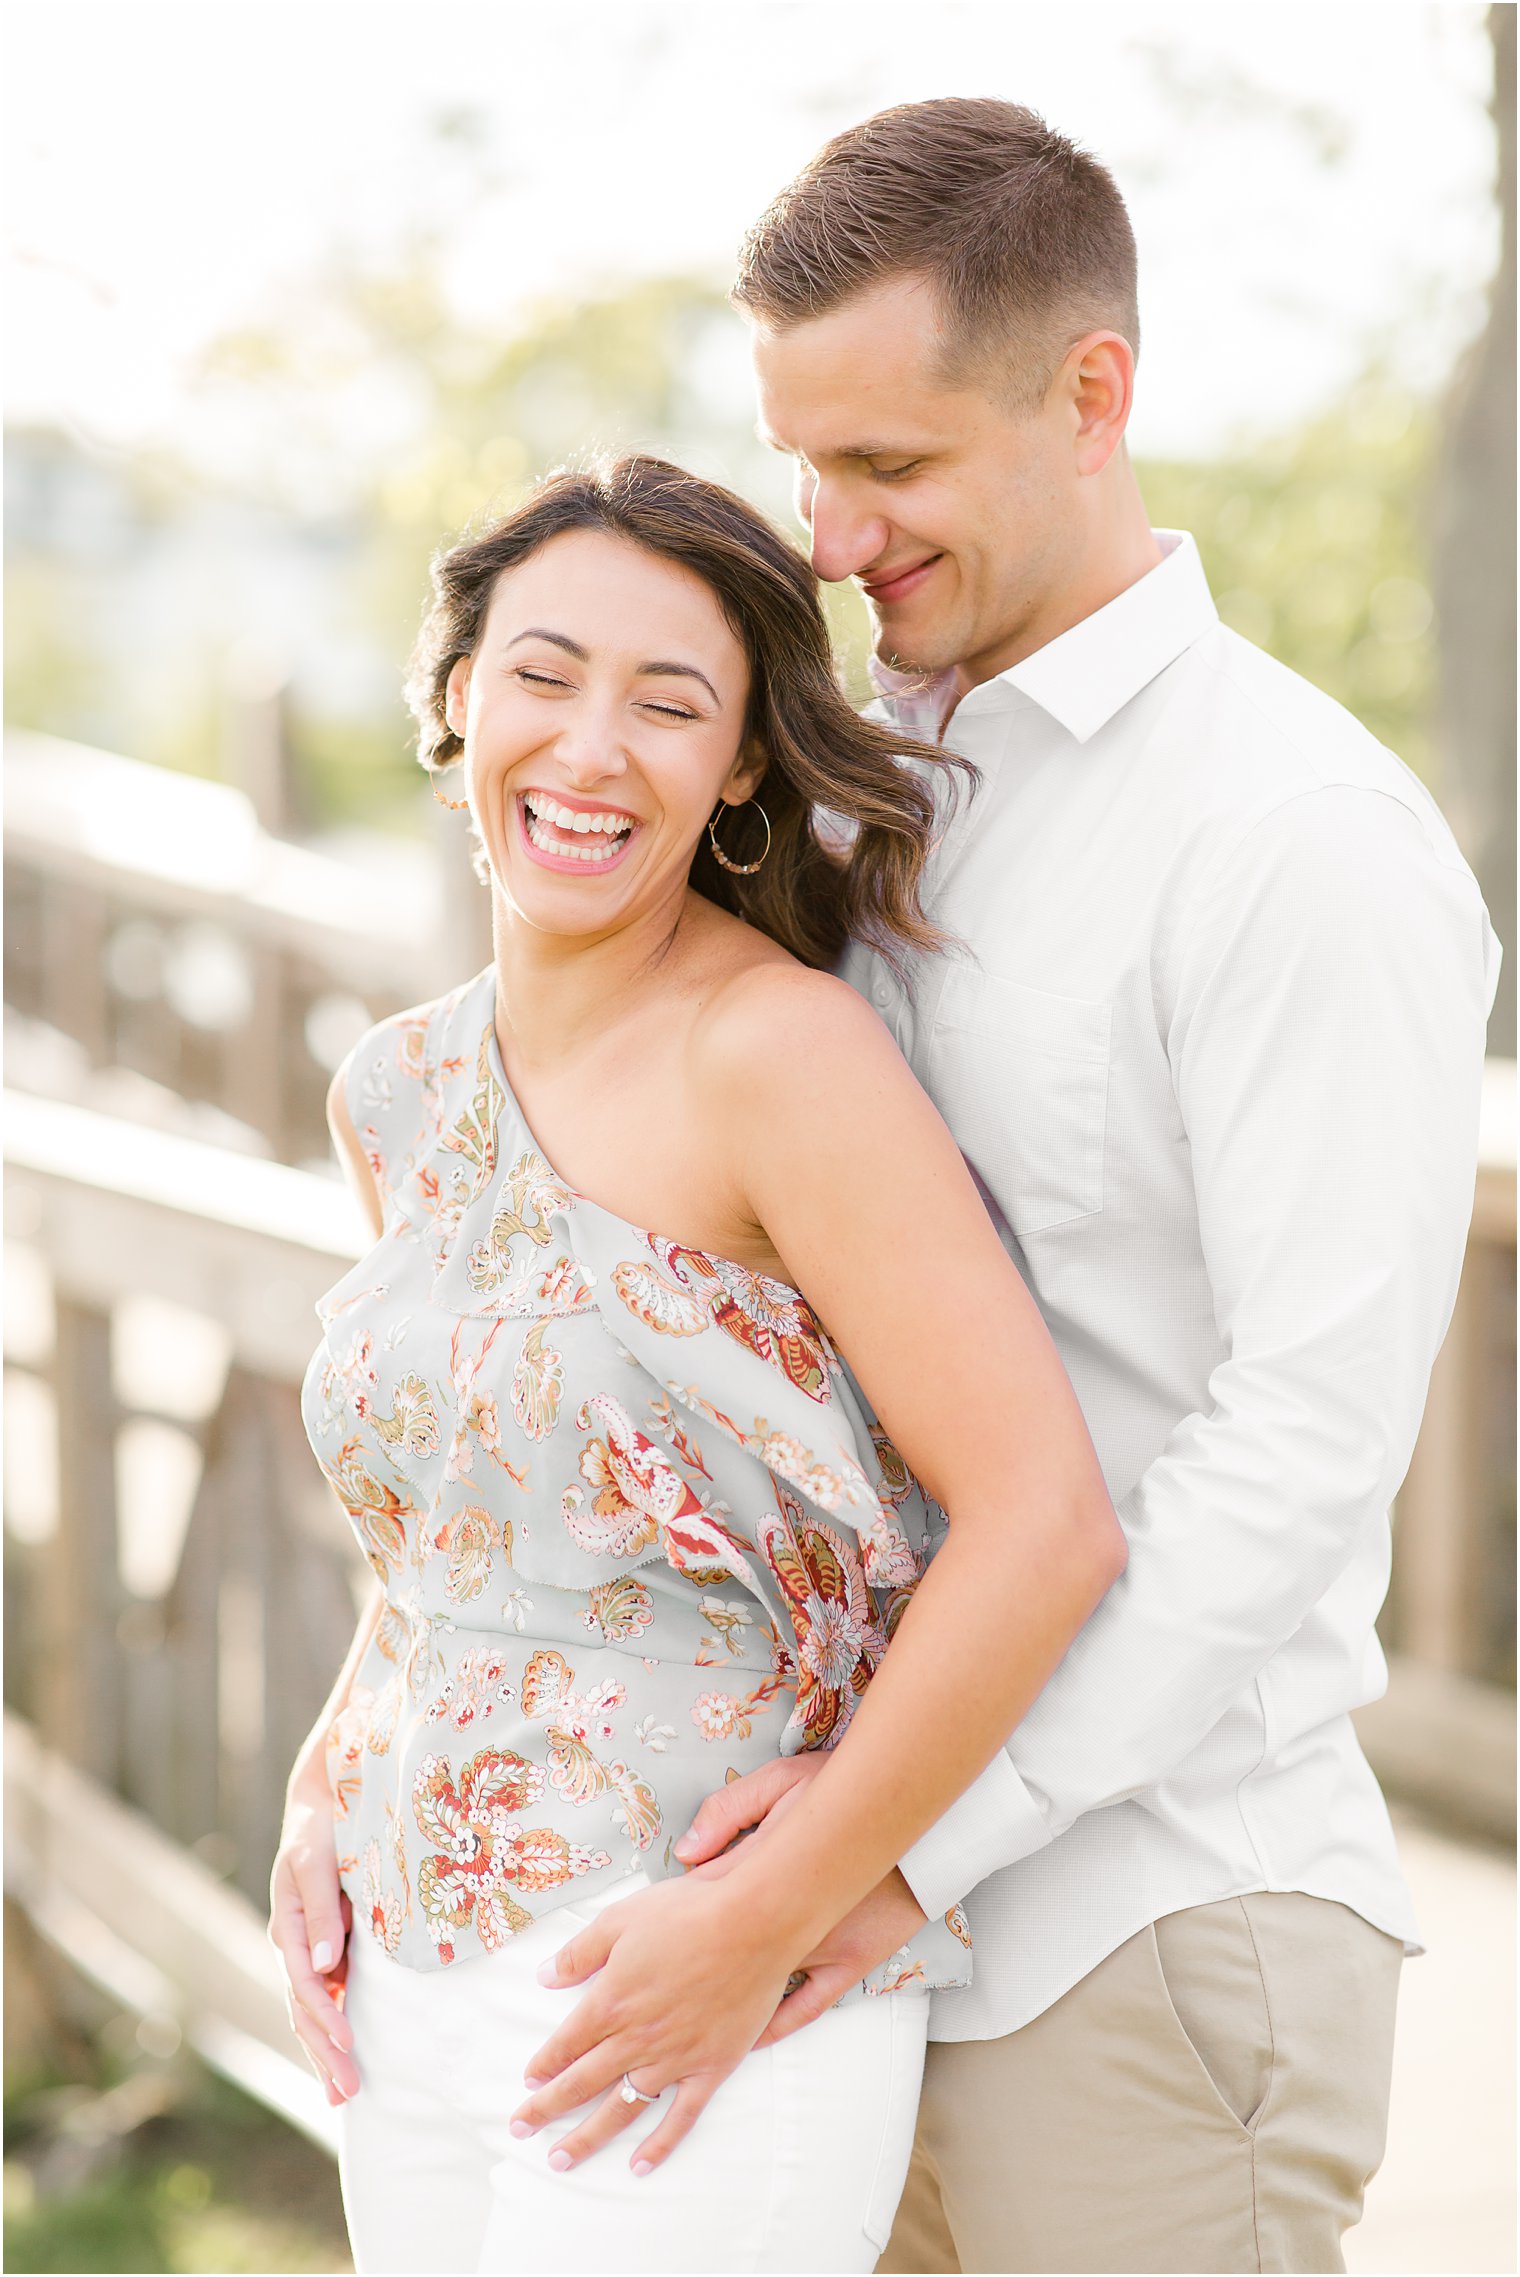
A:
(79, 1668)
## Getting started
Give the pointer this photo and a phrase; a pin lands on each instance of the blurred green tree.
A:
(1316, 542)
(1315, 545)
(657, 367)
(1474, 584)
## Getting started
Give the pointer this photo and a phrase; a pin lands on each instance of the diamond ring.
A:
(632, 2094)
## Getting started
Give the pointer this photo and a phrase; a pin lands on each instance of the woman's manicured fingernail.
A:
(685, 1844)
(322, 1957)
(642, 2166)
(560, 2160)
(521, 2129)
(548, 1971)
(533, 2079)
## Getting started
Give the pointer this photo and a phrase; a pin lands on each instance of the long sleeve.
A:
(1324, 1006)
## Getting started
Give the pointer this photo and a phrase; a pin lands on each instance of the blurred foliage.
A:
(55, 675)
(657, 366)
(1316, 546)
(373, 426)
(217, 2183)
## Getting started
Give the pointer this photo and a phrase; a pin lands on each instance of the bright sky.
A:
(173, 162)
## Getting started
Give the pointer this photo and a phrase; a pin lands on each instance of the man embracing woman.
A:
(900, 1300)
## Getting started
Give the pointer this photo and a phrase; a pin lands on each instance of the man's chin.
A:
(923, 660)
(913, 640)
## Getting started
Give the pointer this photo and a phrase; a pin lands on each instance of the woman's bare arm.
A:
(306, 1906)
(867, 1200)
(862, 1193)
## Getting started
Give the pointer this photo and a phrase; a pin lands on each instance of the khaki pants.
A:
(1213, 2096)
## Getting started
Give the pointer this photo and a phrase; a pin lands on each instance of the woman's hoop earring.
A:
(437, 775)
(740, 869)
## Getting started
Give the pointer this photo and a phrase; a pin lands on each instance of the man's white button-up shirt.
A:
(1212, 1045)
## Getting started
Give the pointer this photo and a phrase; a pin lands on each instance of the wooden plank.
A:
(1494, 1209)
(1443, 1555)
(163, 1936)
(1439, 1516)
(134, 1162)
(25, 893)
(254, 1057)
(79, 1674)
(148, 1779)
(199, 1935)
(262, 1292)
(309, 1598)
(253, 1780)
(24, 1563)
(1498, 1129)
(192, 1648)
(1446, 1743)
(72, 949)
(119, 1210)
(161, 841)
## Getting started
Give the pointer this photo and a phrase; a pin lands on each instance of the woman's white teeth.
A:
(546, 822)
(574, 818)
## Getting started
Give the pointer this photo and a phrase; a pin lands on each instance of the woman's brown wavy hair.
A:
(850, 824)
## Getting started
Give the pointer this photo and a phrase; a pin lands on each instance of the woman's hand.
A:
(686, 1980)
(881, 1924)
(309, 1921)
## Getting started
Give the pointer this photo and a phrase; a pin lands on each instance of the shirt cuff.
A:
(993, 1824)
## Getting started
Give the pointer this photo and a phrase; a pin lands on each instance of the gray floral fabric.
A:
(636, 1530)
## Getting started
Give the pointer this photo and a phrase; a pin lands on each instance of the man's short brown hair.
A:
(1023, 238)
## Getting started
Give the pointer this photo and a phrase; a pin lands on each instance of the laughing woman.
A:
(638, 1521)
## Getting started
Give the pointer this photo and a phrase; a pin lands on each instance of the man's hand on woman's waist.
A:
(884, 1920)
(684, 1982)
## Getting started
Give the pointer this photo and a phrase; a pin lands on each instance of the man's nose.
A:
(844, 539)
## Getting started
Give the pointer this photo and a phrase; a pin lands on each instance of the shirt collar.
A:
(1090, 672)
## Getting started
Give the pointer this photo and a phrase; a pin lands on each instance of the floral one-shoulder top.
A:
(635, 1529)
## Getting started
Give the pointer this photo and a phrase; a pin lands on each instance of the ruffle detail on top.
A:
(781, 1461)
(395, 1068)
(510, 1239)
(518, 1386)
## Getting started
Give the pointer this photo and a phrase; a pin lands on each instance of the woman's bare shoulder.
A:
(775, 1020)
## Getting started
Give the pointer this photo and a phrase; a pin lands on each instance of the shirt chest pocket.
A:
(1021, 1077)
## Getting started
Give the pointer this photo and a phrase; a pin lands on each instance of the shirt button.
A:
(882, 993)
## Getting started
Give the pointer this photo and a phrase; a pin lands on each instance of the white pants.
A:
(796, 2164)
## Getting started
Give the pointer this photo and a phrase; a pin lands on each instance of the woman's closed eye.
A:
(532, 677)
(669, 711)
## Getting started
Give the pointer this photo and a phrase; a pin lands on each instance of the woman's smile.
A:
(559, 833)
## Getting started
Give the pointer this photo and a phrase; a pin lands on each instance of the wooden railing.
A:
(1445, 1734)
(152, 1927)
(157, 927)
(150, 1733)
(189, 1703)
